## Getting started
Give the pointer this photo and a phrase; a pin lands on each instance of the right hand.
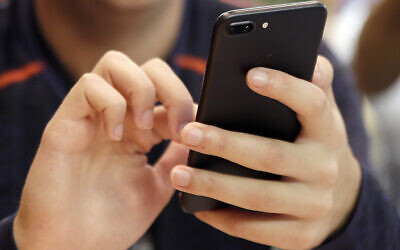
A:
(89, 186)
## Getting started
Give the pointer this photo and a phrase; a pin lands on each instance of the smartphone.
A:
(282, 37)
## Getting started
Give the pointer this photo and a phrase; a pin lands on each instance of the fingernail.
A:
(147, 120)
(118, 132)
(258, 78)
(192, 136)
(180, 177)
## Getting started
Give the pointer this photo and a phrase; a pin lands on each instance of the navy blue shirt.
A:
(33, 84)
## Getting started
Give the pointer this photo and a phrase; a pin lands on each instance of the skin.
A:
(321, 175)
(90, 180)
(90, 29)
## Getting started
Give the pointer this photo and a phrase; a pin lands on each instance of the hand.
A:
(90, 186)
(321, 177)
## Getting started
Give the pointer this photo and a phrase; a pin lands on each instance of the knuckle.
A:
(119, 103)
(114, 103)
(327, 70)
(305, 238)
(330, 70)
(341, 129)
(114, 55)
(211, 186)
(243, 156)
(271, 156)
(182, 101)
(330, 174)
(146, 88)
(115, 106)
(187, 104)
(88, 79)
(306, 241)
(143, 94)
(318, 102)
(156, 62)
(220, 141)
(50, 138)
(328, 65)
(323, 207)
(149, 88)
(339, 135)
(262, 203)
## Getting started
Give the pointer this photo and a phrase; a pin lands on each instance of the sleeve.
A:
(6, 234)
(374, 223)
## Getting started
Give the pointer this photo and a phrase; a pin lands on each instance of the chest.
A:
(25, 109)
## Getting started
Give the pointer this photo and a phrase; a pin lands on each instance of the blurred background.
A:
(345, 21)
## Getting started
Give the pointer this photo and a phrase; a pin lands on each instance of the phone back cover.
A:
(289, 44)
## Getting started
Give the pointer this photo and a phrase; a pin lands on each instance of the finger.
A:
(92, 95)
(267, 196)
(161, 121)
(175, 154)
(172, 93)
(146, 139)
(121, 72)
(306, 99)
(258, 153)
(280, 231)
(323, 77)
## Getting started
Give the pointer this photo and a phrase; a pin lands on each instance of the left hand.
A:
(321, 176)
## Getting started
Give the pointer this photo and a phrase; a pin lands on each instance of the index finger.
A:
(258, 153)
(172, 93)
(129, 79)
(306, 99)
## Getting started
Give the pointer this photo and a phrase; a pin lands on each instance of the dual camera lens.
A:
(240, 28)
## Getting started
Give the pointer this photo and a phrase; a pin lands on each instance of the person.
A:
(89, 185)
(377, 68)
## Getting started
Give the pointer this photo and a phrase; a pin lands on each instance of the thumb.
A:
(176, 154)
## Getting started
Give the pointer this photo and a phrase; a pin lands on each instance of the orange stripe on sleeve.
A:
(21, 74)
(193, 63)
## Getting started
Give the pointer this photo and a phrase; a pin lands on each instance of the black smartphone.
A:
(282, 37)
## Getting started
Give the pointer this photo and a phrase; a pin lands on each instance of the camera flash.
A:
(265, 25)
